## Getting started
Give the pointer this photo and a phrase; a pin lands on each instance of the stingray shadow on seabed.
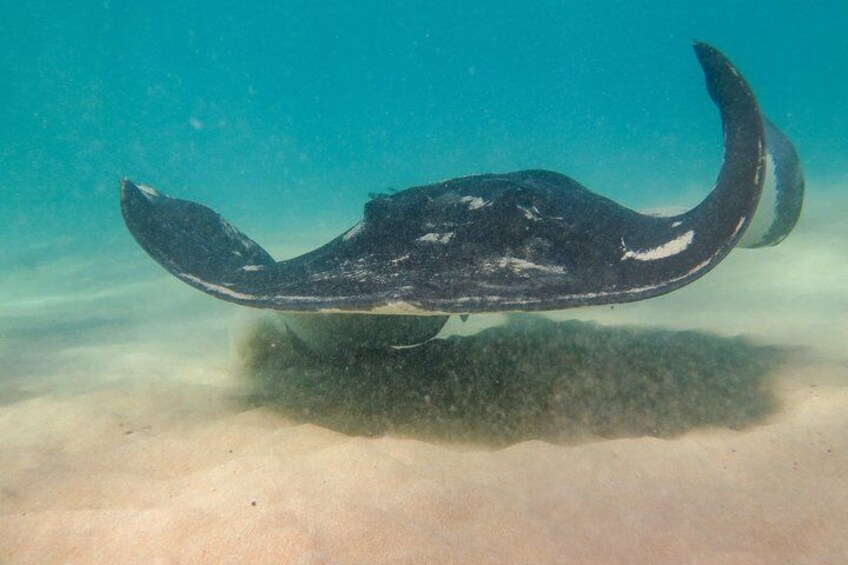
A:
(532, 378)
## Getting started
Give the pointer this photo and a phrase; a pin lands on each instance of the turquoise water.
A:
(126, 432)
(285, 114)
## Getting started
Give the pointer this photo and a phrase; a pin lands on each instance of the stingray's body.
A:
(523, 241)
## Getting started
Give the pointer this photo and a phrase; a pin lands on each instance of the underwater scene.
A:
(499, 282)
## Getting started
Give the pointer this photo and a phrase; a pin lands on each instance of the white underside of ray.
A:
(766, 213)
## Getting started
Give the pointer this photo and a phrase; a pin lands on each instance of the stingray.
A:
(531, 240)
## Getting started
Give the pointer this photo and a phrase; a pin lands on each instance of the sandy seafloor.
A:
(122, 437)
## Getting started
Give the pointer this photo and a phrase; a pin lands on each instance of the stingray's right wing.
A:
(783, 193)
(781, 199)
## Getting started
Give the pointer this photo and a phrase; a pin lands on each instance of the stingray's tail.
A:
(189, 240)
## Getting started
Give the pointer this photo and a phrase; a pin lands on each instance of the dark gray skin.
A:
(523, 241)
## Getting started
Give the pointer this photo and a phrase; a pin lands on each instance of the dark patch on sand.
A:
(531, 379)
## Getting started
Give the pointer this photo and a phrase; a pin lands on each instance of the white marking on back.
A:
(667, 249)
(530, 214)
(474, 202)
(149, 192)
(437, 237)
(519, 266)
(739, 226)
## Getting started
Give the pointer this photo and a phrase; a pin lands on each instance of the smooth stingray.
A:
(523, 241)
